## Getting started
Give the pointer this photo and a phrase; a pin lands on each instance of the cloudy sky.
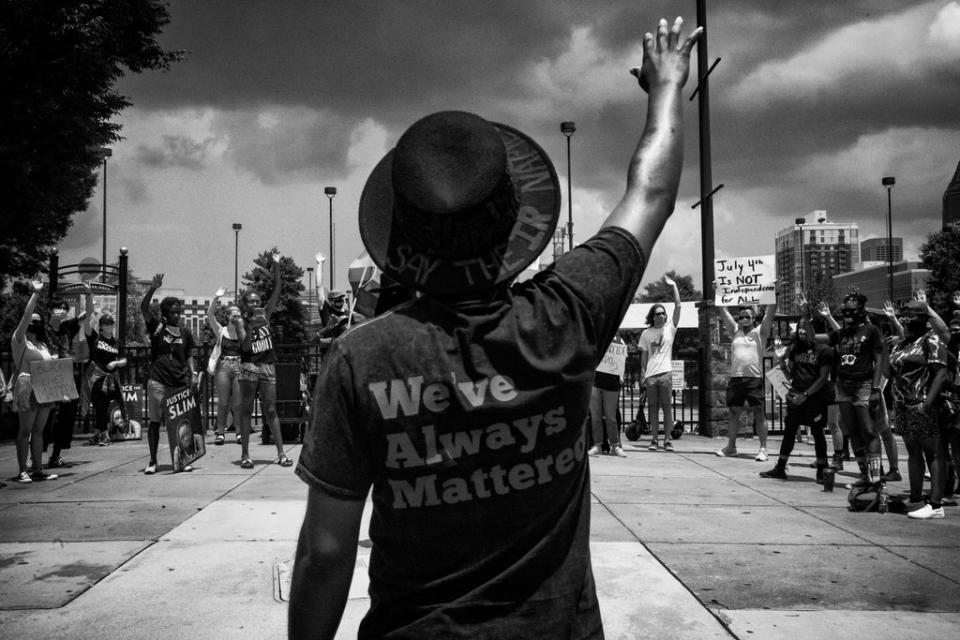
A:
(812, 103)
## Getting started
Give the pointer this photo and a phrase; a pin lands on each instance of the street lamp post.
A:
(888, 182)
(105, 152)
(330, 192)
(310, 294)
(567, 129)
(236, 260)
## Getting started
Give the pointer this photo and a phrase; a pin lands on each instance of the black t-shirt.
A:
(806, 359)
(169, 353)
(103, 350)
(856, 349)
(63, 337)
(467, 420)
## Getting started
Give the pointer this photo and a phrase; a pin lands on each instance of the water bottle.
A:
(883, 501)
(828, 478)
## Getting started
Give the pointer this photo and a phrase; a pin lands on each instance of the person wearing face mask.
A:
(859, 348)
(171, 367)
(656, 353)
(918, 368)
(29, 343)
(63, 332)
(226, 375)
(746, 374)
(807, 365)
(106, 357)
(257, 370)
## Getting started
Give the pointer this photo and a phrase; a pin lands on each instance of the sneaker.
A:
(246, 463)
(926, 512)
(187, 468)
(654, 446)
(761, 455)
(106, 442)
(24, 478)
(727, 452)
(668, 446)
(593, 451)
(151, 469)
(777, 472)
(56, 462)
(40, 476)
(618, 451)
(893, 476)
(837, 462)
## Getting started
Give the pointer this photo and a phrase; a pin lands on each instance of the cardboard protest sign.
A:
(778, 380)
(745, 281)
(52, 380)
(614, 360)
(181, 413)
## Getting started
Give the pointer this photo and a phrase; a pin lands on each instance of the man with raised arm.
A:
(464, 409)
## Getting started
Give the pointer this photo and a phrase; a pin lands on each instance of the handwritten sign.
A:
(776, 379)
(745, 281)
(677, 371)
(614, 360)
(52, 380)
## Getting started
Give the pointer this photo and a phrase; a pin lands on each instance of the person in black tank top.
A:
(257, 371)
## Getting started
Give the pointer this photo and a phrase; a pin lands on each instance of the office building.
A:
(951, 200)
(812, 251)
(877, 250)
(874, 282)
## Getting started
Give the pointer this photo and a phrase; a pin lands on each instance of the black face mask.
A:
(916, 326)
(853, 315)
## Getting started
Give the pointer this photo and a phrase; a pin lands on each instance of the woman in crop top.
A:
(226, 376)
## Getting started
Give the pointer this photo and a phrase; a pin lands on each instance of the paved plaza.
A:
(685, 545)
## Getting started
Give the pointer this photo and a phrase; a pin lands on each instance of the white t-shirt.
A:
(658, 343)
(745, 354)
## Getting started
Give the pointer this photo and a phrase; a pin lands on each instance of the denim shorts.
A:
(252, 372)
(855, 393)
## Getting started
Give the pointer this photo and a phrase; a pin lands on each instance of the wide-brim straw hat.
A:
(460, 205)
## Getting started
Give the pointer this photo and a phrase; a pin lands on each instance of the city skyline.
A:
(810, 106)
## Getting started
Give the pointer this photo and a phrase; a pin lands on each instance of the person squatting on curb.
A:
(465, 409)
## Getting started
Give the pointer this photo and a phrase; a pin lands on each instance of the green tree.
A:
(941, 255)
(820, 288)
(59, 64)
(288, 322)
(660, 291)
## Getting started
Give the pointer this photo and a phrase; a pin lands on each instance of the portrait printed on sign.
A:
(184, 427)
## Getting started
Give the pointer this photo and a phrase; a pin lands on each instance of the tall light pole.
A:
(310, 293)
(330, 192)
(236, 260)
(105, 152)
(888, 182)
(567, 129)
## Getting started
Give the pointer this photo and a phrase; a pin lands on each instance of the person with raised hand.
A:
(656, 355)
(171, 364)
(29, 343)
(225, 363)
(106, 357)
(465, 411)
(258, 374)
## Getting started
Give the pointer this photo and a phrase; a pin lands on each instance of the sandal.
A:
(284, 461)
(246, 463)
(218, 440)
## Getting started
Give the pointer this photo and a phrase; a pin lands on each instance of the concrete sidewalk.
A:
(685, 544)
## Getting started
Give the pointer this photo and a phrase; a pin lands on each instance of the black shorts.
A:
(749, 390)
(815, 407)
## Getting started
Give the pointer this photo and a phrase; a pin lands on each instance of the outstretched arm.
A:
(215, 325)
(275, 294)
(653, 176)
(88, 295)
(728, 320)
(767, 323)
(676, 300)
(936, 322)
(155, 284)
(20, 333)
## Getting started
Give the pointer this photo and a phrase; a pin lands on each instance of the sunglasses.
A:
(745, 318)
(660, 313)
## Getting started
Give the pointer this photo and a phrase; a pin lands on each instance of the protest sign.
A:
(181, 413)
(745, 281)
(52, 380)
(677, 371)
(614, 360)
(131, 427)
(776, 379)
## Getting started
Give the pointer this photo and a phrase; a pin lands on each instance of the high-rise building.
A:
(951, 200)
(877, 250)
(809, 252)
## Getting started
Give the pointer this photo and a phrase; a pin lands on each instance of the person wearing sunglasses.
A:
(656, 352)
(746, 374)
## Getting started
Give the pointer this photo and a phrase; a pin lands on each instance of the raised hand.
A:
(320, 258)
(666, 62)
(802, 299)
(823, 309)
(87, 289)
(36, 285)
(779, 349)
(276, 258)
(219, 292)
(956, 298)
(920, 295)
(669, 281)
(157, 281)
(888, 309)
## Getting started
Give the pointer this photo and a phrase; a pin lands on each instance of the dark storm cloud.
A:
(174, 151)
